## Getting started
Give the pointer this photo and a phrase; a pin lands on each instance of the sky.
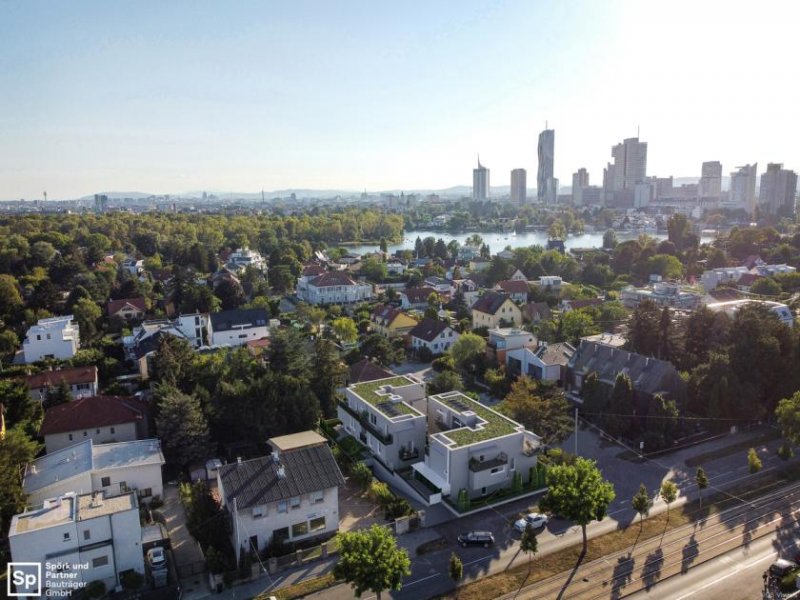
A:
(171, 97)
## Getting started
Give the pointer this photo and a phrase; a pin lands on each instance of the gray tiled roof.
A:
(256, 482)
(227, 320)
(490, 303)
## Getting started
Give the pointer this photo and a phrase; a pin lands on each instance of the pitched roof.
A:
(332, 278)
(428, 330)
(70, 376)
(555, 354)
(256, 482)
(384, 314)
(490, 302)
(366, 370)
(748, 279)
(418, 294)
(114, 306)
(514, 286)
(91, 412)
(227, 320)
(577, 304)
(313, 270)
(540, 309)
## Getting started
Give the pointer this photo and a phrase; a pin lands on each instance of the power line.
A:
(607, 414)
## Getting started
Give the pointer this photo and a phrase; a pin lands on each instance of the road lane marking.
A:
(477, 560)
(724, 577)
(419, 580)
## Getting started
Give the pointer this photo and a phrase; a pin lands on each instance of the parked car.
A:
(782, 567)
(157, 558)
(535, 520)
(476, 538)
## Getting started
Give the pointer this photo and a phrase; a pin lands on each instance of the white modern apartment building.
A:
(87, 467)
(387, 416)
(239, 326)
(56, 337)
(100, 533)
(783, 312)
(291, 495)
(713, 277)
(244, 257)
(662, 293)
(473, 449)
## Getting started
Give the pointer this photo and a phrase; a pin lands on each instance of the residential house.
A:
(133, 266)
(143, 343)
(56, 337)
(649, 376)
(388, 417)
(237, 327)
(537, 312)
(473, 450)
(112, 468)
(127, 309)
(225, 275)
(103, 419)
(391, 322)
(504, 339)
(89, 536)
(366, 370)
(546, 362)
(415, 298)
(568, 304)
(334, 287)
(478, 265)
(746, 281)
(82, 381)
(515, 289)
(437, 336)
(351, 258)
(493, 310)
(772, 270)
(518, 276)
(714, 277)
(550, 283)
(609, 339)
(290, 496)
(243, 258)
(661, 293)
(441, 285)
(395, 267)
(506, 254)
(782, 311)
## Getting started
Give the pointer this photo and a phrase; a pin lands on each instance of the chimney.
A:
(238, 460)
(97, 499)
(281, 472)
(275, 456)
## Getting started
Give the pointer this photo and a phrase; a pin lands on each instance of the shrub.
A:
(362, 475)
(96, 589)
(380, 493)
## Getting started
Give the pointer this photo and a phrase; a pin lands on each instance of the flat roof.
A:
(57, 511)
(128, 454)
(297, 440)
(66, 463)
(490, 424)
(89, 509)
(371, 392)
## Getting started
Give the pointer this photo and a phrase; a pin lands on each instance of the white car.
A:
(535, 520)
(157, 558)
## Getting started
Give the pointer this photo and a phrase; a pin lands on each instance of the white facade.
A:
(122, 432)
(441, 343)
(712, 278)
(243, 258)
(56, 337)
(783, 312)
(338, 294)
(195, 327)
(103, 533)
(550, 281)
(742, 193)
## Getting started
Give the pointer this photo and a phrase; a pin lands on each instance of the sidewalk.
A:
(195, 588)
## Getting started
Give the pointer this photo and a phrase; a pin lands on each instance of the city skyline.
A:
(184, 97)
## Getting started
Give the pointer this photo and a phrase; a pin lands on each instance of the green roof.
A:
(496, 425)
(367, 392)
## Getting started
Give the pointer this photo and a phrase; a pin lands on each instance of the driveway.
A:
(185, 548)
(356, 511)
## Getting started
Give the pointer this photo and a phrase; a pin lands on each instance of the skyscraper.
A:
(778, 191)
(628, 170)
(519, 183)
(580, 180)
(711, 179)
(546, 186)
(743, 188)
(480, 182)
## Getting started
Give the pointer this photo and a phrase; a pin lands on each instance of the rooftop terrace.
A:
(373, 393)
(489, 425)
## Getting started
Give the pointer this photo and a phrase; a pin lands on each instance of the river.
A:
(498, 241)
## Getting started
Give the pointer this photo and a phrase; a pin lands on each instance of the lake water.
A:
(498, 241)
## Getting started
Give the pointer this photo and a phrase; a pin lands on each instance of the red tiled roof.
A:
(366, 370)
(332, 278)
(416, 295)
(71, 376)
(514, 286)
(313, 270)
(92, 411)
(114, 306)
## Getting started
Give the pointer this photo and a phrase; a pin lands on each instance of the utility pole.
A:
(576, 430)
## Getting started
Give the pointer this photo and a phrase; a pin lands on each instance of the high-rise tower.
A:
(480, 182)
(546, 185)
(519, 182)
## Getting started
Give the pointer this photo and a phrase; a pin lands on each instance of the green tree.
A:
(374, 269)
(289, 354)
(620, 406)
(556, 230)
(609, 239)
(20, 409)
(644, 329)
(57, 395)
(173, 363)
(595, 399)
(529, 544)
(753, 461)
(701, 479)
(380, 349)
(446, 381)
(9, 342)
(668, 493)
(329, 373)
(540, 407)
(665, 265)
(467, 350)
(16, 449)
(370, 560)
(766, 286)
(10, 297)
(362, 475)
(579, 493)
(456, 569)
(641, 503)
(576, 324)
(345, 329)
(230, 293)
(182, 427)
(788, 415)
(87, 313)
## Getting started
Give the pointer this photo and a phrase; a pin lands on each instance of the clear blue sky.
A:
(167, 97)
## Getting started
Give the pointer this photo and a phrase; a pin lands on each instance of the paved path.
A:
(184, 547)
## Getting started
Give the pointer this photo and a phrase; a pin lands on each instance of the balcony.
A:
(384, 438)
(406, 454)
(476, 466)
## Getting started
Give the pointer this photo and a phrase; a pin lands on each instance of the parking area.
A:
(356, 511)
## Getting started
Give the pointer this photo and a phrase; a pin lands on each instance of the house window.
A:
(98, 431)
(113, 430)
(66, 537)
(317, 524)
(84, 434)
(483, 491)
(496, 470)
(513, 463)
(70, 437)
(316, 497)
(145, 493)
(300, 529)
(105, 481)
(373, 419)
(282, 506)
(258, 512)
(295, 502)
(87, 535)
(280, 535)
(100, 561)
(38, 338)
(48, 336)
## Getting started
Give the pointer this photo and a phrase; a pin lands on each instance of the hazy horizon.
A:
(189, 96)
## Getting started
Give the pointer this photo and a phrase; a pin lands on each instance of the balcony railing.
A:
(476, 465)
(384, 438)
(406, 454)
